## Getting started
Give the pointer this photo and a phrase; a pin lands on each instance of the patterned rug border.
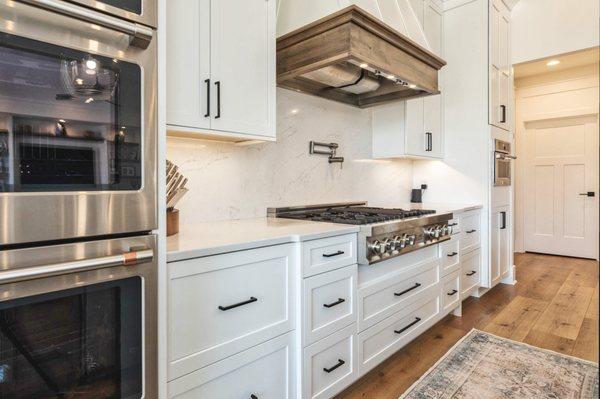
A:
(474, 330)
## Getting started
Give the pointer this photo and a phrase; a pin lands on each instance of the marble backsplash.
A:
(228, 181)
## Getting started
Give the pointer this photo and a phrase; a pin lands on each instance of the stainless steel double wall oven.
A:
(78, 200)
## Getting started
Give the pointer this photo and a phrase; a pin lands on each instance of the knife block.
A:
(172, 222)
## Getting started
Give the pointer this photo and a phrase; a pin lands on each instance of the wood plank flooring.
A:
(554, 305)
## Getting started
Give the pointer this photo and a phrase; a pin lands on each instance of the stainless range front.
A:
(384, 233)
(78, 123)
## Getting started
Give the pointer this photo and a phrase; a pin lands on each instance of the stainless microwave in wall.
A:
(502, 163)
(78, 124)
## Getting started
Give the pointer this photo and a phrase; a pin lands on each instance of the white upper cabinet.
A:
(221, 68)
(500, 71)
(413, 128)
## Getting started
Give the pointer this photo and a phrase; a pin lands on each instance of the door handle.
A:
(332, 304)
(589, 194)
(139, 35)
(207, 114)
(30, 273)
(400, 331)
(503, 108)
(503, 216)
(235, 305)
(218, 84)
(429, 143)
(414, 287)
(338, 364)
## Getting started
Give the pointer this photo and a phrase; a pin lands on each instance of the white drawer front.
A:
(450, 254)
(330, 365)
(205, 325)
(326, 254)
(450, 291)
(384, 339)
(264, 371)
(470, 266)
(384, 298)
(455, 224)
(470, 231)
(329, 303)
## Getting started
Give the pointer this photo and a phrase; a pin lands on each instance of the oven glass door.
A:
(69, 120)
(502, 172)
(128, 5)
(83, 342)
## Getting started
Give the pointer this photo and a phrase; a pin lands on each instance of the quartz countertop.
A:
(210, 238)
(441, 207)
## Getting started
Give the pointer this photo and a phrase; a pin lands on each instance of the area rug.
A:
(485, 366)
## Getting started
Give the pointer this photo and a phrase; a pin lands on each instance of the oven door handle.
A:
(140, 35)
(36, 272)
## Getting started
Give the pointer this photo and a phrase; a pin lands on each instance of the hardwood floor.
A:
(554, 305)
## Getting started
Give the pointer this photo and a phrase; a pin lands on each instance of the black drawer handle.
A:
(218, 84)
(332, 304)
(471, 231)
(453, 224)
(338, 364)
(338, 253)
(207, 114)
(472, 272)
(253, 396)
(451, 293)
(400, 331)
(414, 287)
(452, 254)
(235, 305)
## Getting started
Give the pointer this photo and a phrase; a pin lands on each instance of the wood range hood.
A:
(354, 58)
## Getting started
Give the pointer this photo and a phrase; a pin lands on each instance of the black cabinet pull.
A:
(472, 272)
(503, 108)
(452, 254)
(414, 287)
(235, 305)
(429, 138)
(451, 292)
(503, 215)
(338, 364)
(471, 231)
(400, 331)
(207, 114)
(338, 253)
(453, 224)
(332, 304)
(218, 84)
(253, 396)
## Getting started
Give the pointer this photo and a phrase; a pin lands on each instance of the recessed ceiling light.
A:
(363, 65)
(89, 100)
(553, 62)
(62, 120)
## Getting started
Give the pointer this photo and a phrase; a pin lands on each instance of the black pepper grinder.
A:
(416, 196)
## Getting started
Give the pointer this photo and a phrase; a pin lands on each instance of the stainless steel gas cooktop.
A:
(384, 232)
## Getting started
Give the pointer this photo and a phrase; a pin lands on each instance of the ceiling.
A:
(567, 61)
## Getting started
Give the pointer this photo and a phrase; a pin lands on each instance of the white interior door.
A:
(561, 167)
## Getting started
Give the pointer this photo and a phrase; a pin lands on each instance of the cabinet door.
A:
(500, 251)
(499, 70)
(432, 105)
(188, 52)
(415, 137)
(243, 66)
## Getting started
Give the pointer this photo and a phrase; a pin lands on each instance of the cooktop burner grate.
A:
(357, 215)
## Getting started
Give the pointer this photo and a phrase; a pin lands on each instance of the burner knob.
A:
(386, 245)
(428, 232)
(376, 247)
(411, 239)
(437, 231)
(445, 230)
(397, 243)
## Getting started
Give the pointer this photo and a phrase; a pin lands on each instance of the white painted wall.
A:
(543, 28)
(549, 93)
(227, 181)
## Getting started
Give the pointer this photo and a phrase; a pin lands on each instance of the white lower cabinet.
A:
(329, 301)
(450, 291)
(385, 338)
(470, 272)
(384, 298)
(265, 371)
(220, 305)
(330, 365)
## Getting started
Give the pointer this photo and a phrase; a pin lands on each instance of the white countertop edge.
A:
(200, 252)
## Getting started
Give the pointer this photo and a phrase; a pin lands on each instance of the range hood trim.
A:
(355, 36)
